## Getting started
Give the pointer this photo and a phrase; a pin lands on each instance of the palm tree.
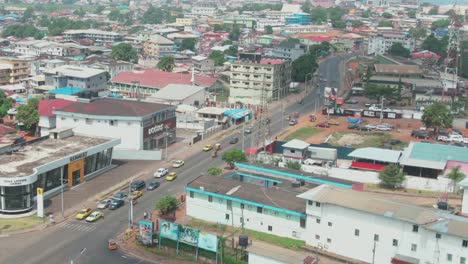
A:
(456, 176)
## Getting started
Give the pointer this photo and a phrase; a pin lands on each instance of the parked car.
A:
(104, 203)
(248, 130)
(208, 147)
(443, 138)
(94, 216)
(161, 172)
(234, 140)
(116, 204)
(419, 134)
(352, 101)
(135, 195)
(323, 125)
(353, 126)
(152, 185)
(178, 163)
(119, 196)
(364, 128)
(292, 122)
(138, 185)
(367, 104)
(383, 128)
(83, 213)
(371, 126)
(465, 140)
(456, 138)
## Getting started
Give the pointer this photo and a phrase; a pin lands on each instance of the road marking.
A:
(79, 227)
(124, 257)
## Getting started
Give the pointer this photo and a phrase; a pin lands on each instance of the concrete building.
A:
(289, 50)
(76, 77)
(204, 10)
(203, 64)
(98, 36)
(13, 70)
(304, 29)
(139, 125)
(252, 80)
(295, 150)
(176, 94)
(39, 47)
(380, 43)
(158, 46)
(45, 162)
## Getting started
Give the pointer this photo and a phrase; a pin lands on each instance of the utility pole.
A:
(243, 136)
(130, 208)
(61, 190)
(382, 98)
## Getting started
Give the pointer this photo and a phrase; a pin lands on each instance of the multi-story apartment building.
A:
(380, 42)
(263, 22)
(300, 29)
(158, 46)
(254, 80)
(289, 50)
(204, 10)
(13, 70)
(99, 36)
(39, 47)
(203, 64)
(76, 77)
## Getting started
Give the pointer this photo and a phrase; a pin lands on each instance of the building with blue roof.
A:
(299, 19)
(66, 91)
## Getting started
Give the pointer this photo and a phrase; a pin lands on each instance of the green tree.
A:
(99, 9)
(418, 32)
(437, 116)
(22, 31)
(441, 23)
(391, 177)
(366, 13)
(233, 156)
(357, 23)
(215, 171)
(218, 28)
(167, 205)
(435, 45)
(27, 114)
(134, 29)
(124, 52)
(218, 57)
(375, 92)
(69, 2)
(5, 104)
(188, 44)
(412, 14)
(303, 66)
(166, 63)
(115, 15)
(456, 176)
(232, 51)
(28, 14)
(235, 32)
(268, 29)
(434, 11)
(154, 15)
(385, 24)
(464, 59)
(319, 15)
(387, 15)
(397, 49)
(293, 165)
(338, 24)
(80, 12)
(306, 6)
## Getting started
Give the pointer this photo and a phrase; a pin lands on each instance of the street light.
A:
(130, 212)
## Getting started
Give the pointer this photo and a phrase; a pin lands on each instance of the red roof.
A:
(46, 107)
(320, 38)
(271, 61)
(159, 79)
(367, 166)
(4, 129)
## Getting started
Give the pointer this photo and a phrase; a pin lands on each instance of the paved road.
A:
(86, 242)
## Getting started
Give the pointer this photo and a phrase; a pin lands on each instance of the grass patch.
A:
(302, 133)
(365, 140)
(377, 187)
(17, 224)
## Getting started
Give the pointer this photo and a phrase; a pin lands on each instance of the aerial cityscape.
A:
(234, 132)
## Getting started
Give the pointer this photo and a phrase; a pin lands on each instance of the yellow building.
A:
(13, 70)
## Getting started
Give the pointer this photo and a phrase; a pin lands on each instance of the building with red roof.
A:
(150, 81)
(46, 113)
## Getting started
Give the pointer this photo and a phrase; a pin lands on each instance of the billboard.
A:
(169, 230)
(208, 241)
(188, 235)
(146, 232)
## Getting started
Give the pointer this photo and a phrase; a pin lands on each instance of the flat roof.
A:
(296, 144)
(416, 81)
(177, 91)
(277, 253)
(210, 110)
(22, 162)
(397, 69)
(75, 71)
(379, 154)
(433, 156)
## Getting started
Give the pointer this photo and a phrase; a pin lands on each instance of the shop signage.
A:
(19, 181)
(158, 128)
(79, 156)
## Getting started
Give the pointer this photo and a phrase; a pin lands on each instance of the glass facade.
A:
(21, 198)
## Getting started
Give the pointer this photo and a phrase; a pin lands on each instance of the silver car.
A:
(104, 203)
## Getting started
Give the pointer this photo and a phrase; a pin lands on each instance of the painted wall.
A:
(258, 259)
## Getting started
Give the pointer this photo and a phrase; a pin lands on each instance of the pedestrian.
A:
(149, 216)
(145, 215)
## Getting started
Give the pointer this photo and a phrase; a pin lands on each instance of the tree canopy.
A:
(257, 7)
(437, 116)
(28, 14)
(412, 14)
(441, 23)
(397, 49)
(22, 31)
(58, 25)
(5, 104)
(418, 32)
(215, 171)
(319, 15)
(80, 12)
(302, 66)
(166, 63)
(268, 29)
(306, 6)
(27, 114)
(188, 44)
(385, 23)
(218, 57)
(357, 23)
(435, 45)
(235, 32)
(387, 15)
(125, 52)
(391, 177)
(233, 156)
(232, 51)
(167, 204)
(434, 11)
(456, 176)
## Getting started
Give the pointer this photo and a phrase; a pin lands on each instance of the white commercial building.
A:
(380, 43)
(99, 36)
(76, 77)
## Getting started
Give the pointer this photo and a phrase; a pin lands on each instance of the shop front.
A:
(158, 134)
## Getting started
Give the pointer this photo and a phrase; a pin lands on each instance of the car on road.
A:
(456, 138)
(171, 176)
(353, 126)
(161, 172)
(135, 195)
(248, 130)
(104, 203)
(333, 122)
(207, 147)
(292, 122)
(371, 126)
(138, 185)
(323, 125)
(152, 185)
(352, 101)
(178, 163)
(367, 104)
(83, 213)
(383, 128)
(94, 216)
(119, 196)
(116, 204)
(233, 140)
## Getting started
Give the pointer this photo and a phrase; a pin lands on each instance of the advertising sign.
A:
(146, 232)
(158, 128)
(17, 181)
(208, 241)
(169, 230)
(188, 235)
(40, 202)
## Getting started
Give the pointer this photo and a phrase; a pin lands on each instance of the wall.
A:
(137, 154)
(259, 259)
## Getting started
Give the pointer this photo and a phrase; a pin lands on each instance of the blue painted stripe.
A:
(281, 210)
(291, 175)
(257, 177)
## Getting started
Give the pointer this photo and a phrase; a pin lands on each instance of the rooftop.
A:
(431, 219)
(415, 81)
(46, 107)
(296, 144)
(210, 110)
(433, 156)
(398, 69)
(379, 154)
(90, 31)
(159, 79)
(160, 39)
(114, 107)
(75, 71)
(177, 91)
(22, 162)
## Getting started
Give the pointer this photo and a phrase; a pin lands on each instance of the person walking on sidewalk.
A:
(145, 215)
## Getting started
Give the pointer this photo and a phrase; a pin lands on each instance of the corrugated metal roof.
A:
(378, 154)
(296, 144)
(433, 156)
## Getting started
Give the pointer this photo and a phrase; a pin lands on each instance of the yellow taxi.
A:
(171, 176)
(207, 147)
(135, 195)
(83, 213)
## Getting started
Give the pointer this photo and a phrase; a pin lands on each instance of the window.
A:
(356, 232)
(329, 240)
(210, 198)
(462, 260)
(227, 216)
(89, 121)
(259, 209)
(414, 247)
(465, 243)
(270, 228)
(229, 204)
(317, 204)
(191, 193)
(242, 206)
(292, 151)
(376, 237)
(415, 228)
(395, 242)
(317, 237)
(317, 220)
(310, 202)
(75, 120)
(112, 122)
(330, 224)
(449, 257)
(302, 222)
(438, 236)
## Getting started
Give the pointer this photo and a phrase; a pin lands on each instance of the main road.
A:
(78, 242)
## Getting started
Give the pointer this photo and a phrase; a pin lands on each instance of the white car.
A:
(104, 203)
(371, 126)
(443, 138)
(465, 140)
(456, 138)
(96, 215)
(383, 128)
(161, 172)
